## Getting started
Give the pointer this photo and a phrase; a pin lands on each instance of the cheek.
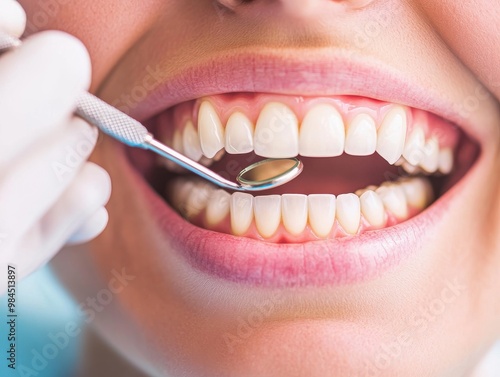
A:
(107, 27)
(471, 30)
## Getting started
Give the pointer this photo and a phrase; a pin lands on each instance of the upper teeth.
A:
(322, 133)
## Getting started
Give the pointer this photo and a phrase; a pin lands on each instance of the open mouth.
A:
(368, 164)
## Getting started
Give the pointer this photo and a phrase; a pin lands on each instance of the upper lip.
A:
(316, 72)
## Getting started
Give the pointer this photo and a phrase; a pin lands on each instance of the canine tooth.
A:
(349, 212)
(418, 192)
(218, 207)
(391, 135)
(322, 209)
(191, 142)
(241, 208)
(239, 134)
(322, 132)
(430, 159)
(414, 148)
(267, 212)
(361, 137)
(294, 212)
(394, 200)
(446, 160)
(210, 130)
(373, 209)
(276, 133)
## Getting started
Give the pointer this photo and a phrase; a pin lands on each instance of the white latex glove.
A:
(49, 193)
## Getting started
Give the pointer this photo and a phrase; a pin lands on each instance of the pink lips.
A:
(329, 262)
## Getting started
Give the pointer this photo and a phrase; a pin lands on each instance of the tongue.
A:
(336, 175)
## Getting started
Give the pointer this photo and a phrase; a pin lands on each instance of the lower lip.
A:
(327, 262)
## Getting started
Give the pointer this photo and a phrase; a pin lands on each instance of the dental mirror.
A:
(270, 172)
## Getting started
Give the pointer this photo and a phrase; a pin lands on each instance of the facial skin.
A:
(181, 318)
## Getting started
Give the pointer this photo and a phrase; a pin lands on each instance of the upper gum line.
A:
(348, 107)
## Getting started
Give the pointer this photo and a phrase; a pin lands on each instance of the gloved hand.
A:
(49, 193)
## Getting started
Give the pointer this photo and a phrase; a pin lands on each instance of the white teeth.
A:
(191, 142)
(276, 133)
(267, 210)
(241, 208)
(411, 169)
(322, 133)
(197, 199)
(349, 212)
(430, 158)
(294, 212)
(418, 192)
(414, 148)
(239, 134)
(391, 135)
(394, 200)
(297, 211)
(322, 209)
(180, 190)
(446, 161)
(361, 137)
(218, 207)
(373, 209)
(176, 145)
(210, 130)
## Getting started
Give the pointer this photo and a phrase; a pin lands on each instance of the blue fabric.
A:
(48, 332)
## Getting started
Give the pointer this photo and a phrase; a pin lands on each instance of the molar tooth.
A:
(373, 209)
(394, 200)
(418, 192)
(414, 148)
(276, 133)
(430, 159)
(294, 212)
(322, 209)
(218, 207)
(392, 135)
(267, 211)
(361, 137)
(446, 160)
(241, 208)
(191, 142)
(239, 134)
(322, 132)
(349, 212)
(210, 130)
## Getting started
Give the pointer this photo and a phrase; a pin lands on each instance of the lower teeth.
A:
(296, 217)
